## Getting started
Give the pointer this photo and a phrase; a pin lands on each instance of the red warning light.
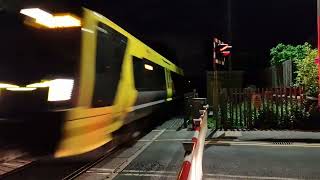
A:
(226, 53)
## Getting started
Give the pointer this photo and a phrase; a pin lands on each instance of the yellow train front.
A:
(68, 80)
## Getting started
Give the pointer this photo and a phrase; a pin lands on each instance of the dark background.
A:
(183, 30)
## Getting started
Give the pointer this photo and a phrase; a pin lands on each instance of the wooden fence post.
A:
(245, 122)
(286, 107)
(250, 109)
(241, 109)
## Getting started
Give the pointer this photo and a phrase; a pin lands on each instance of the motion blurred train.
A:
(70, 79)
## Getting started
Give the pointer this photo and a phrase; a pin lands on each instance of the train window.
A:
(148, 76)
(111, 46)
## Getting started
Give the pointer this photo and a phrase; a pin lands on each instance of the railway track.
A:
(88, 166)
(12, 159)
(73, 167)
(9, 152)
(10, 166)
(65, 169)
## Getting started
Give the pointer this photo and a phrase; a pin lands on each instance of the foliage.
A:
(305, 69)
(288, 114)
(294, 115)
(211, 123)
(282, 53)
(307, 73)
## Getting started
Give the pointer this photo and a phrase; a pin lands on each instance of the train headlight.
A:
(59, 89)
(3, 85)
(51, 20)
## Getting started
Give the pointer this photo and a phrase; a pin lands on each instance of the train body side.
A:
(92, 123)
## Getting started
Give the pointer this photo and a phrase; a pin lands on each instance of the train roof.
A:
(141, 50)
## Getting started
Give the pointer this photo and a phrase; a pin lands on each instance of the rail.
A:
(192, 166)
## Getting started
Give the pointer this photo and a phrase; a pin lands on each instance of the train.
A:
(69, 79)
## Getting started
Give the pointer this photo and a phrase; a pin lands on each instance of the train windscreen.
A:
(30, 54)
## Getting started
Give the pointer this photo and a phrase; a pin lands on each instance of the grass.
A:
(211, 123)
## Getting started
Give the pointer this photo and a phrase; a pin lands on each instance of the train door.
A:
(111, 46)
(169, 85)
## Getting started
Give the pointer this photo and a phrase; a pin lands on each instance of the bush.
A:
(295, 115)
(307, 73)
(282, 53)
(211, 123)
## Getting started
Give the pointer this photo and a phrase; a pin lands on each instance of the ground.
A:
(227, 155)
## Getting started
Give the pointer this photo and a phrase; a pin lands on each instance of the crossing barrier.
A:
(192, 165)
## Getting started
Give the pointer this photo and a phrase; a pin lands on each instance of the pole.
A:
(229, 31)
(318, 58)
(215, 95)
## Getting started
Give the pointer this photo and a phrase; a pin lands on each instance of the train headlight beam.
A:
(2, 85)
(59, 89)
(40, 85)
(51, 21)
(21, 89)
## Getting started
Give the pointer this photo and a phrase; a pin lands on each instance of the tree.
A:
(307, 73)
(282, 53)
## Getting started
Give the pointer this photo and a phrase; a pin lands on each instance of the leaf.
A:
(307, 73)
(282, 53)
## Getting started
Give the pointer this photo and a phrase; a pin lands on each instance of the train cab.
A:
(70, 77)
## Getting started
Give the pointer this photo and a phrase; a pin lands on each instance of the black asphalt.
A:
(163, 159)
(261, 162)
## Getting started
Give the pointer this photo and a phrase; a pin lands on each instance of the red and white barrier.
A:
(192, 166)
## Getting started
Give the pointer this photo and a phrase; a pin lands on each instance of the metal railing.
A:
(192, 166)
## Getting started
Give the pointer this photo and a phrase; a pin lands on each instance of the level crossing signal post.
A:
(221, 51)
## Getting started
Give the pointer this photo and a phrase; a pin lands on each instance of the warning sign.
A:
(256, 100)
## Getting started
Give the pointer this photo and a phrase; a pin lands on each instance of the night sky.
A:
(183, 30)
